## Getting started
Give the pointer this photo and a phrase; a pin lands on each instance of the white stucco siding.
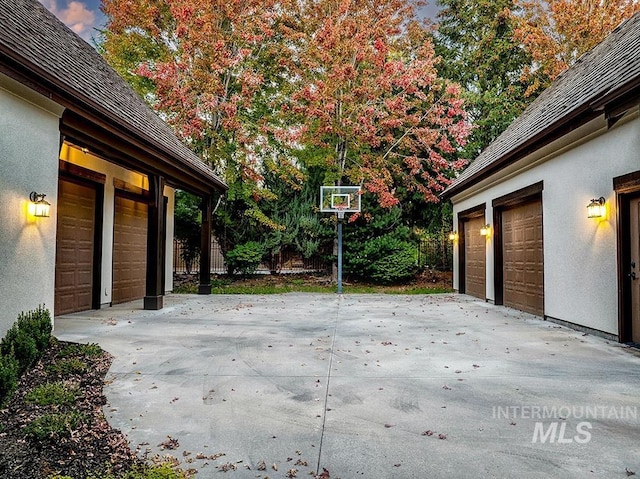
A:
(580, 265)
(29, 146)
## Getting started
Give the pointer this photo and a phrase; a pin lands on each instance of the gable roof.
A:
(39, 50)
(604, 80)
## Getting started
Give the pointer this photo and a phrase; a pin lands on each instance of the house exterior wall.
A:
(580, 263)
(112, 171)
(29, 145)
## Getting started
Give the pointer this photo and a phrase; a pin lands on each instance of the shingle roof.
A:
(33, 37)
(613, 65)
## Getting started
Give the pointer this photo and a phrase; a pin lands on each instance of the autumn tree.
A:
(206, 66)
(365, 102)
(557, 32)
(475, 40)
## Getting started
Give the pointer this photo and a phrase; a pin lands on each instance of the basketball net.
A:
(340, 212)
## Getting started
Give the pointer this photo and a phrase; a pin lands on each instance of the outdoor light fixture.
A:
(453, 236)
(485, 230)
(38, 206)
(597, 208)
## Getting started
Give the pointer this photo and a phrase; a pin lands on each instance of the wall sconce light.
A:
(485, 230)
(38, 206)
(453, 236)
(597, 208)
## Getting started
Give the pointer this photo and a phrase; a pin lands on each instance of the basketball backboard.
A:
(340, 199)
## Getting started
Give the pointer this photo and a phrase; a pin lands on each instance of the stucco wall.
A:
(29, 145)
(580, 269)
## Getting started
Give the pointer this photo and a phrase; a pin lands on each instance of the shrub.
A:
(91, 350)
(245, 258)
(23, 344)
(67, 367)
(58, 393)
(28, 338)
(8, 376)
(54, 425)
(385, 259)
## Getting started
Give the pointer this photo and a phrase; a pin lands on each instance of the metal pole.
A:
(339, 256)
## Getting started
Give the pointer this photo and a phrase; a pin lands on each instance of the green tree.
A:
(557, 32)
(475, 40)
(187, 226)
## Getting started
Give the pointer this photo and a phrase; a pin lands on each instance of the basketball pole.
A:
(340, 218)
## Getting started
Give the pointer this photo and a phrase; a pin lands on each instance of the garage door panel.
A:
(523, 267)
(74, 247)
(475, 258)
(129, 250)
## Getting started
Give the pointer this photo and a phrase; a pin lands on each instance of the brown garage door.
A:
(523, 262)
(129, 250)
(474, 258)
(74, 247)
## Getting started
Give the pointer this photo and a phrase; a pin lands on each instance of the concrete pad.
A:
(373, 386)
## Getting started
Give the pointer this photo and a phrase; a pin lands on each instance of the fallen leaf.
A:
(428, 433)
(170, 443)
(628, 472)
(442, 436)
(389, 425)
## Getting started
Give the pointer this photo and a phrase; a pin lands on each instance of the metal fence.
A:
(436, 252)
(286, 262)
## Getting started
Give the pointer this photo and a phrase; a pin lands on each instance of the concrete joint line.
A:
(326, 395)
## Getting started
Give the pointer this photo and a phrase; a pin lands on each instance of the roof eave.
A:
(612, 104)
(40, 81)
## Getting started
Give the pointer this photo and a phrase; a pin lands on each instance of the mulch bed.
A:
(91, 446)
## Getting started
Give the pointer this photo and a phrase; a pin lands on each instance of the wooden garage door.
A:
(74, 247)
(474, 258)
(523, 262)
(129, 250)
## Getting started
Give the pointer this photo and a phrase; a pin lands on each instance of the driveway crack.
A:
(326, 397)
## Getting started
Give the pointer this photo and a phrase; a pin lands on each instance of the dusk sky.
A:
(84, 16)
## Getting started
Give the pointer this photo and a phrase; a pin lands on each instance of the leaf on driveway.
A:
(324, 474)
(170, 443)
(428, 433)
(389, 425)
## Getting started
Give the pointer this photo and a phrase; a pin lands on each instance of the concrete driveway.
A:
(369, 386)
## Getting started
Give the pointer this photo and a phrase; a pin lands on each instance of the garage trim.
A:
(470, 213)
(626, 188)
(521, 196)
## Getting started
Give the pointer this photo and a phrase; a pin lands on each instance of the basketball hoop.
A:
(340, 200)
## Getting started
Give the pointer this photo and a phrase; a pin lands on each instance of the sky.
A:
(84, 16)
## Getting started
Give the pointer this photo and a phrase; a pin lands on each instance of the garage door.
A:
(523, 262)
(474, 258)
(74, 247)
(129, 250)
